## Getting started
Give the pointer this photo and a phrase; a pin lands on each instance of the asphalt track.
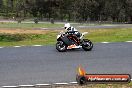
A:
(44, 64)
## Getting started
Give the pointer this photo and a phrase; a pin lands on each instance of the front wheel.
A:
(87, 45)
(60, 46)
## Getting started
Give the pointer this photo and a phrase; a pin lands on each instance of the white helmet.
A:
(66, 26)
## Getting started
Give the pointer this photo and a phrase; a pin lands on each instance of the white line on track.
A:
(105, 42)
(61, 83)
(43, 84)
(16, 46)
(37, 45)
(40, 85)
(128, 41)
(26, 85)
(73, 82)
(9, 86)
(42, 45)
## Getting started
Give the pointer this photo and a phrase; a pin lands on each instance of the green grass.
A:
(29, 25)
(110, 35)
(28, 39)
(27, 43)
(49, 38)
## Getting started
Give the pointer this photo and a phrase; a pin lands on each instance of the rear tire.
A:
(87, 45)
(60, 46)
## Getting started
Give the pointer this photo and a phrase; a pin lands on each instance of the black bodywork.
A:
(69, 39)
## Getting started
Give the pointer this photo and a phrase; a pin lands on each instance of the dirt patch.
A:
(25, 31)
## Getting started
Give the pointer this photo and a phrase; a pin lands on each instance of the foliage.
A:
(5, 37)
(13, 37)
(76, 10)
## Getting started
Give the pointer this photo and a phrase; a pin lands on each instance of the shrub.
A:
(36, 21)
(13, 37)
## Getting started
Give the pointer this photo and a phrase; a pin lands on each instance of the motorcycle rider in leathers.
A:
(72, 30)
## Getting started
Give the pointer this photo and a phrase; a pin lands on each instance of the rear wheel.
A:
(87, 45)
(60, 46)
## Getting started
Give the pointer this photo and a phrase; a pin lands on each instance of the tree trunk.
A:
(130, 19)
(69, 18)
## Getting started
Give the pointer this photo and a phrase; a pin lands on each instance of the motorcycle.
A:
(67, 41)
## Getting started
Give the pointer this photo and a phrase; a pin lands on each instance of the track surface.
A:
(44, 64)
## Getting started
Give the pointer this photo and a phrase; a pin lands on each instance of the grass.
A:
(29, 39)
(110, 35)
(49, 38)
(27, 43)
(29, 25)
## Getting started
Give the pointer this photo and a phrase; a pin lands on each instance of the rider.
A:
(71, 30)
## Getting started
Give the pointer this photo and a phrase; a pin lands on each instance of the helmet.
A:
(66, 26)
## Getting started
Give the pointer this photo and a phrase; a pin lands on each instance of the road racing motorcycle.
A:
(67, 41)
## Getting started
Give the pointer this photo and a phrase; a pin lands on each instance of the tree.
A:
(1, 3)
(129, 10)
(77, 10)
(86, 9)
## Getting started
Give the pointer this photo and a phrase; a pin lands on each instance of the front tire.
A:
(87, 45)
(60, 46)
